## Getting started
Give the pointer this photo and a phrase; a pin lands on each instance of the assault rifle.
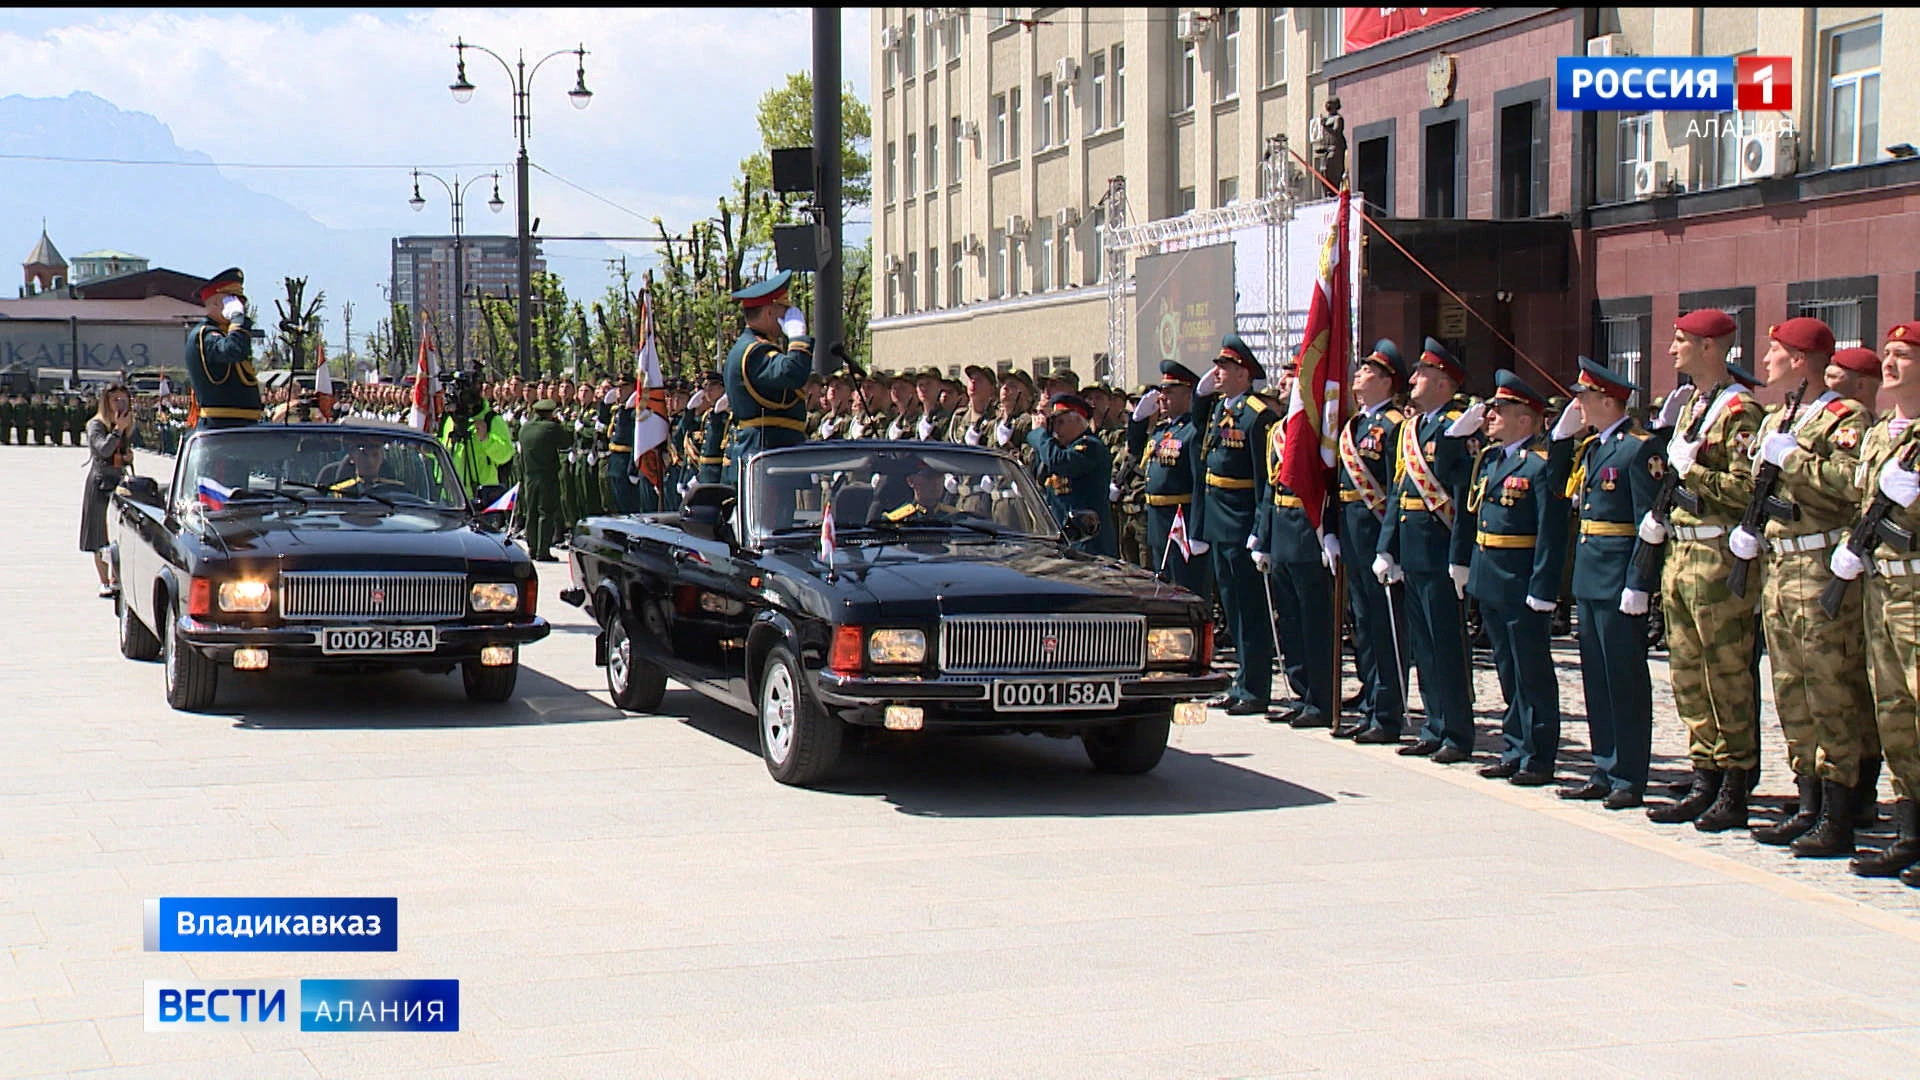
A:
(1764, 504)
(1646, 557)
(1872, 530)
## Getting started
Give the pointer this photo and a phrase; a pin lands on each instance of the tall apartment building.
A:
(423, 279)
(996, 131)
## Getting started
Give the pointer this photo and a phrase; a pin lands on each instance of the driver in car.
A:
(365, 463)
(930, 489)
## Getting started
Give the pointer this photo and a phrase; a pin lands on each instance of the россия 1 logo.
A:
(1670, 83)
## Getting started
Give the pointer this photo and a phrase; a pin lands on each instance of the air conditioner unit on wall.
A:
(1066, 217)
(974, 246)
(971, 130)
(1190, 26)
(889, 38)
(893, 264)
(1649, 179)
(1065, 71)
(1608, 45)
(1016, 225)
(1768, 156)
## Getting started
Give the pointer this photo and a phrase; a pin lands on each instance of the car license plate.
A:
(377, 639)
(1033, 695)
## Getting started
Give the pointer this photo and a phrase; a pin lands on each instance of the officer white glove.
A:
(972, 437)
(1900, 484)
(894, 429)
(1329, 551)
(1263, 562)
(1845, 564)
(987, 484)
(722, 405)
(924, 428)
(1775, 448)
(1459, 576)
(1652, 531)
(1253, 542)
(1113, 492)
(1197, 545)
(684, 487)
(1534, 603)
(234, 309)
(856, 429)
(952, 485)
(1670, 409)
(793, 323)
(1573, 420)
(1208, 383)
(1149, 404)
(826, 427)
(699, 399)
(610, 397)
(1743, 543)
(1469, 422)
(1385, 570)
(1633, 602)
(1003, 434)
(1681, 455)
(573, 457)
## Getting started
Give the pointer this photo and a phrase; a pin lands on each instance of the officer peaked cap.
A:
(1174, 373)
(226, 282)
(1439, 357)
(1236, 350)
(1512, 389)
(1597, 376)
(1386, 356)
(762, 293)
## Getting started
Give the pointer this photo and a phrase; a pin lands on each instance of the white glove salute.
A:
(1003, 434)
(1469, 422)
(1775, 448)
(1633, 602)
(1652, 531)
(1743, 543)
(699, 399)
(1386, 570)
(793, 323)
(234, 309)
(1573, 420)
(1534, 603)
(952, 485)
(1900, 484)
(721, 405)
(1149, 404)
(1330, 551)
(1459, 575)
(1670, 409)
(1845, 564)
(609, 397)
(1208, 383)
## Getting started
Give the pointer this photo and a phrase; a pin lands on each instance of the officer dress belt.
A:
(1607, 528)
(1289, 502)
(620, 448)
(1351, 495)
(1230, 483)
(1902, 568)
(223, 412)
(1183, 499)
(1810, 542)
(1506, 540)
(774, 421)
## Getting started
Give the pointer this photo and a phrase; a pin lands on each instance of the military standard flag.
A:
(1318, 408)
(426, 386)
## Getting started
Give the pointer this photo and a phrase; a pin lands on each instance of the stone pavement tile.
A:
(484, 1009)
(280, 1065)
(1194, 1061)
(20, 1012)
(1842, 1056)
(45, 1047)
(378, 1054)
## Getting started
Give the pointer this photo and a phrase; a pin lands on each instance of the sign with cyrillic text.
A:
(1645, 83)
(379, 1004)
(272, 924)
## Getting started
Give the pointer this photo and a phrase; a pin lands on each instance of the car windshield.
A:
(316, 465)
(886, 489)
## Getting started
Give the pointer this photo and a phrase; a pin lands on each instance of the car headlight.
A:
(494, 596)
(896, 647)
(1169, 644)
(246, 595)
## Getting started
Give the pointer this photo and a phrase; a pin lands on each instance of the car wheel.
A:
(799, 740)
(490, 684)
(136, 641)
(1129, 747)
(192, 679)
(635, 685)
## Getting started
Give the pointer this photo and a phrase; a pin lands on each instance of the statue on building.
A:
(1330, 144)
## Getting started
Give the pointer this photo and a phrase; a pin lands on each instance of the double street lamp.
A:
(457, 195)
(522, 80)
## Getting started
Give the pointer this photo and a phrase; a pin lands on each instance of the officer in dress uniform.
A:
(1819, 665)
(1168, 450)
(1512, 537)
(1296, 565)
(1230, 480)
(620, 470)
(220, 356)
(1616, 473)
(542, 444)
(1710, 631)
(1416, 546)
(1074, 468)
(766, 371)
(1369, 447)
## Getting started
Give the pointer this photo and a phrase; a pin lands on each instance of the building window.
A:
(933, 278)
(1273, 50)
(1187, 203)
(1853, 96)
(906, 47)
(956, 132)
(887, 62)
(1062, 129)
(1119, 85)
(1440, 189)
(1063, 259)
(1226, 57)
(1013, 265)
(1042, 256)
(997, 264)
(893, 293)
(950, 30)
(1097, 92)
(1519, 137)
(1373, 166)
(929, 50)
(887, 174)
(1625, 347)
(1096, 251)
(1330, 39)
(1227, 190)
(1720, 161)
(1183, 77)
(1634, 142)
(1849, 305)
(1013, 122)
(933, 158)
(997, 138)
(955, 271)
(910, 170)
(909, 281)
(1043, 114)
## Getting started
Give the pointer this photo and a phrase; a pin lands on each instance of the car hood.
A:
(417, 539)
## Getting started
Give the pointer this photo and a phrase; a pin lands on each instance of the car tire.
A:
(799, 740)
(1128, 748)
(489, 684)
(136, 641)
(192, 680)
(634, 684)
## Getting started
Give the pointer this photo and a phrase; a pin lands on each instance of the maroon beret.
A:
(1805, 333)
(1906, 331)
(1858, 360)
(1706, 322)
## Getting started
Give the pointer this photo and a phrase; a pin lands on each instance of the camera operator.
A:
(476, 437)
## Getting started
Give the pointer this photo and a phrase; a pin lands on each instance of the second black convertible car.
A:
(905, 585)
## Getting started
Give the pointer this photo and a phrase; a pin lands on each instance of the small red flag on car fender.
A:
(826, 534)
(1177, 533)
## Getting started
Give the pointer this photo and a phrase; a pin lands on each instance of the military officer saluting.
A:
(1416, 546)
(974, 424)
(1230, 484)
(1369, 447)
(1169, 448)
(220, 356)
(766, 371)
(1616, 474)
(1074, 467)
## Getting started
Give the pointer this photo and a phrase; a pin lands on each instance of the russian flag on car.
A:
(213, 494)
(505, 502)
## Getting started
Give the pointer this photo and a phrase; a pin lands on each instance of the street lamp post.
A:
(522, 80)
(457, 195)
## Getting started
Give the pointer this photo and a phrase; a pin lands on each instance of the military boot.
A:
(1832, 835)
(1729, 809)
(1789, 830)
(1706, 787)
(1902, 853)
(1911, 876)
(1866, 794)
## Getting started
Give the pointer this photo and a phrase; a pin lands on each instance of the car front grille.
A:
(1049, 644)
(325, 596)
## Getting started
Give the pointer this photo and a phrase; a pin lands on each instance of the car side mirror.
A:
(707, 522)
(142, 489)
(1081, 525)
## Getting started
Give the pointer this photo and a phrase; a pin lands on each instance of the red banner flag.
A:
(1368, 26)
(425, 414)
(1319, 405)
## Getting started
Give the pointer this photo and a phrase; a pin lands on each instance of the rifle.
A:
(1646, 556)
(1872, 530)
(1764, 504)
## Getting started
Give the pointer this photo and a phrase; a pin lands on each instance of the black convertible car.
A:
(331, 547)
(905, 585)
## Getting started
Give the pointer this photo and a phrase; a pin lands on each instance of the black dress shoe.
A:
(1591, 791)
(1350, 731)
(1500, 770)
(1623, 799)
(1247, 707)
(1423, 748)
(1450, 755)
(1375, 736)
(1531, 778)
(1309, 718)
(1286, 713)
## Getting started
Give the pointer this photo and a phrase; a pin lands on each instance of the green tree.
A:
(785, 116)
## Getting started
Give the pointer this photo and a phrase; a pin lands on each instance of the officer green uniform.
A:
(765, 382)
(8, 409)
(543, 441)
(1130, 484)
(1075, 476)
(1230, 483)
(1369, 448)
(220, 362)
(1616, 475)
(621, 485)
(716, 449)
(1302, 590)
(1168, 451)
(1513, 532)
